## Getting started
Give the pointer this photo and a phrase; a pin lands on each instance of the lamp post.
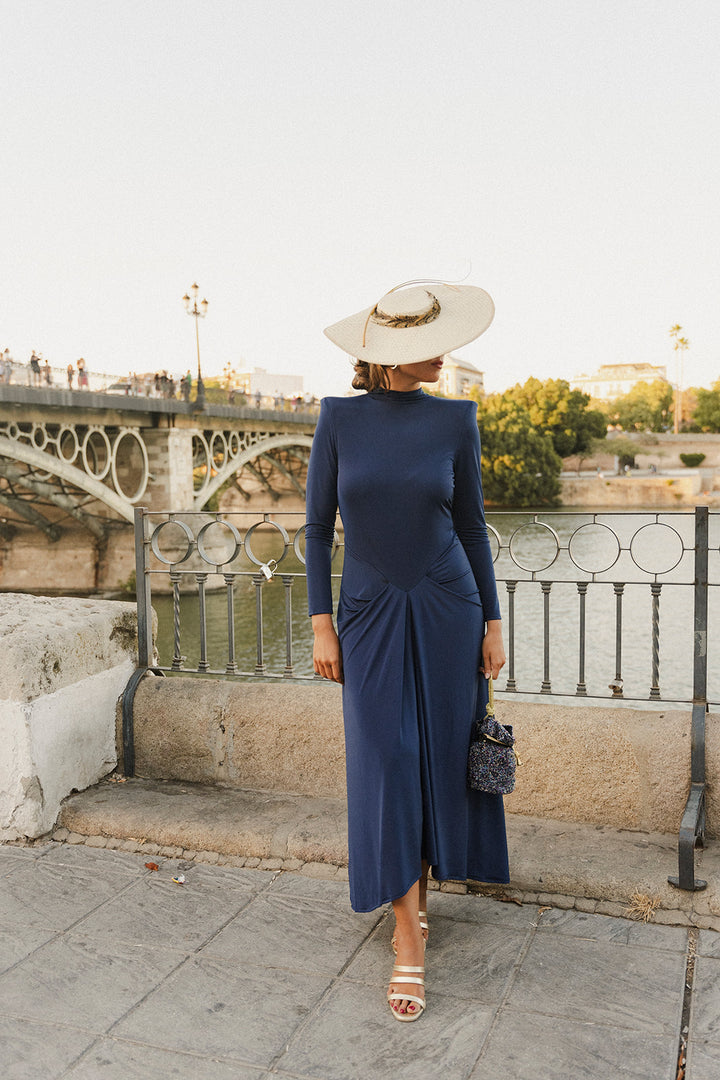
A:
(198, 312)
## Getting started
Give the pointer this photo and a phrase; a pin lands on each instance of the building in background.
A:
(613, 380)
(267, 383)
(458, 377)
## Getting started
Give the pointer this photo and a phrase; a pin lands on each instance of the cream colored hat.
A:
(414, 322)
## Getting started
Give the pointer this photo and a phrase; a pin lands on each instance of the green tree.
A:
(624, 450)
(561, 413)
(520, 466)
(707, 410)
(595, 446)
(647, 407)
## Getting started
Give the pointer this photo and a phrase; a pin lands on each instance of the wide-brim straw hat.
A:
(415, 322)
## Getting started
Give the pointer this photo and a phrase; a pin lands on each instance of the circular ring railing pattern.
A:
(594, 547)
(517, 538)
(176, 553)
(660, 533)
(190, 543)
(237, 542)
(533, 547)
(90, 450)
(595, 532)
(212, 451)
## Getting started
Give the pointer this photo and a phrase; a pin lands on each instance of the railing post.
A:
(581, 689)
(289, 667)
(177, 660)
(617, 684)
(546, 684)
(258, 581)
(145, 642)
(231, 666)
(655, 590)
(142, 591)
(692, 826)
(511, 587)
(700, 614)
(203, 663)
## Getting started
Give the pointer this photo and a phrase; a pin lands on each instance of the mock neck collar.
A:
(399, 395)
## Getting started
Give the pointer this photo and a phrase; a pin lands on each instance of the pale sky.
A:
(299, 158)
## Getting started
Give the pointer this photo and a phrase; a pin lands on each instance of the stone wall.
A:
(626, 768)
(171, 465)
(637, 492)
(662, 450)
(65, 661)
(76, 562)
(260, 735)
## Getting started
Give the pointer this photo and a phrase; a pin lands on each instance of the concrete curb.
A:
(561, 864)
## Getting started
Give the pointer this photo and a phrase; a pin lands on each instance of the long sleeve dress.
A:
(417, 588)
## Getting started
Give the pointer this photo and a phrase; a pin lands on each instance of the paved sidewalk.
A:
(111, 970)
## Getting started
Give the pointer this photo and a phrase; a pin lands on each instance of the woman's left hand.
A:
(493, 651)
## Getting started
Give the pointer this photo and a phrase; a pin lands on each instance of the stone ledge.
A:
(54, 642)
(628, 767)
(65, 662)
(561, 864)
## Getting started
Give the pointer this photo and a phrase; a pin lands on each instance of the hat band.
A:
(402, 322)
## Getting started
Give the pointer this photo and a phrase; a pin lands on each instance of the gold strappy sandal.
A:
(403, 974)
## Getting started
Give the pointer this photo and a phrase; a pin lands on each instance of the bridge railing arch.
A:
(53, 451)
(256, 446)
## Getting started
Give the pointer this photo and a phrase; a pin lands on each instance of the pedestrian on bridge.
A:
(7, 366)
(35, 372)
(418, 618)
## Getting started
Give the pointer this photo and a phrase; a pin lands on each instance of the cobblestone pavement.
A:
(112, 970)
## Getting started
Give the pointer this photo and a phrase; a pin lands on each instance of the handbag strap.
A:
(490, 707)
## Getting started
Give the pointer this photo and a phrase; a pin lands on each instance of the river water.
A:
(643, 548)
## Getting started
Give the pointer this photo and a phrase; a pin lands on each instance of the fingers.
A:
(329, 669)
(492, 665)
(332, 672)
(327, 657)
(336, 672)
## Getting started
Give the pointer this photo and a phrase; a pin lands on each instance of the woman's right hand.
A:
(327, 658)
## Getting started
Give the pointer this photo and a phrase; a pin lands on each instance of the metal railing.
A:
(549, 567)
(53, 377)
(196, 562)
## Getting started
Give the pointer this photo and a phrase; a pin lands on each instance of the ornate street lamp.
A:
(198, 312)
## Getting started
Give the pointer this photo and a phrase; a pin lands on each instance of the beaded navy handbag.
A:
(492, 757)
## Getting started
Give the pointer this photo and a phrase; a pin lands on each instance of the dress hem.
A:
(445, 877)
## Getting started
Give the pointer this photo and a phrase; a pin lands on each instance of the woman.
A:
(418, 615)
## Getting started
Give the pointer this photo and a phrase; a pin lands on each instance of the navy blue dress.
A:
(417, 586)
